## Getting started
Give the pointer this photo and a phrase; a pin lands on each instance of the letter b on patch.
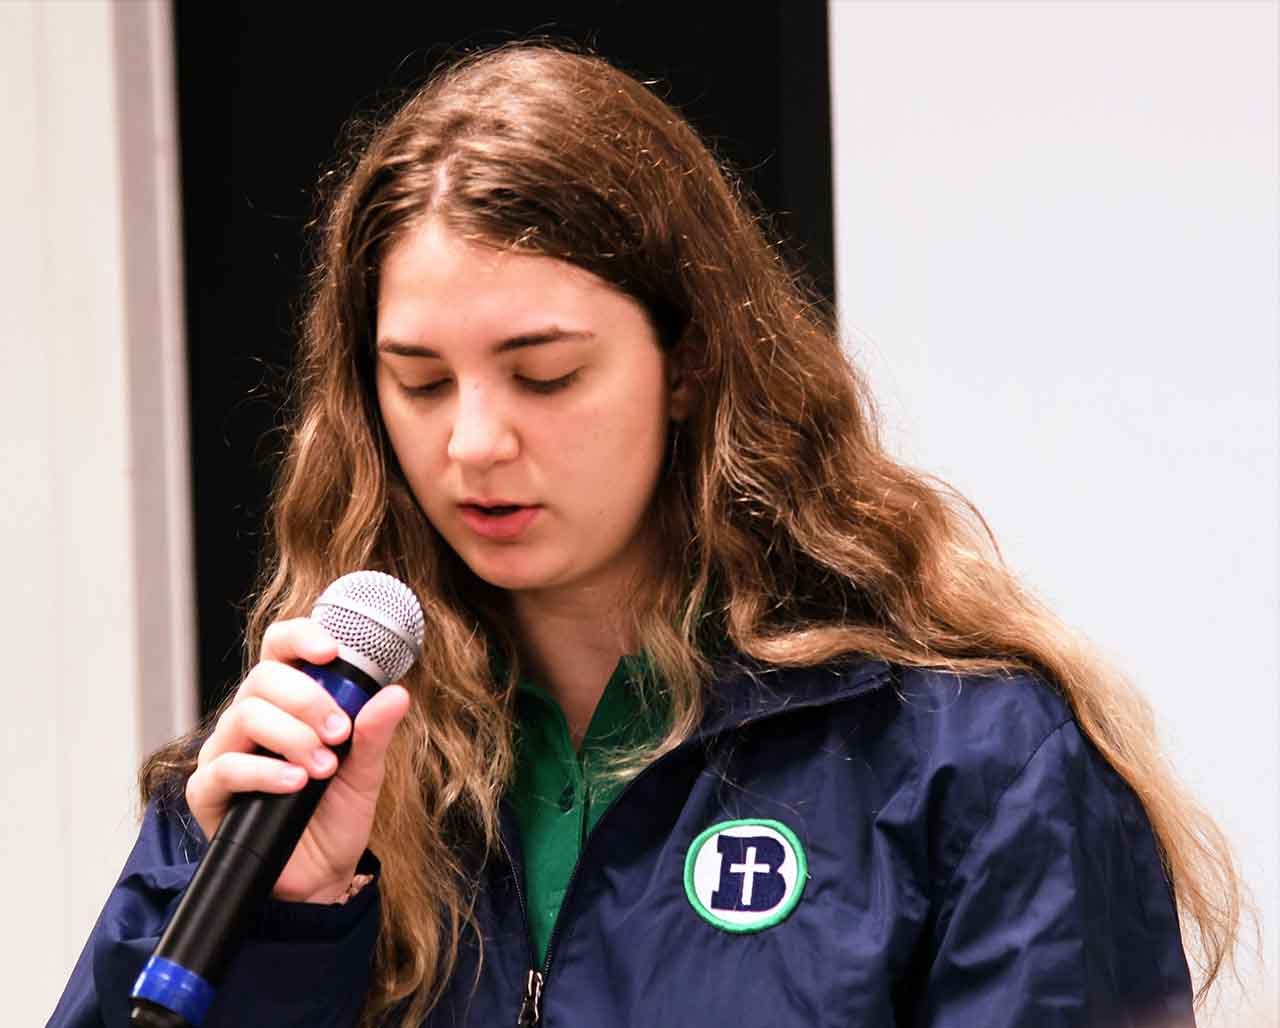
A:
(743, 876)
(749, 873)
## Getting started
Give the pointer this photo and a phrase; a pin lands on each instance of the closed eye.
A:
(426, 389)
(547, 385)
(542, 386)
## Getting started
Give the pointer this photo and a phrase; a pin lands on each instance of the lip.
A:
(479, 501)
(497, 526)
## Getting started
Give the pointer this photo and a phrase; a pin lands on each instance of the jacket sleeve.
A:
(302, 964)
(1059, 914)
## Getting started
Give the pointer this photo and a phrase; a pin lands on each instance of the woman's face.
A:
(528, 403)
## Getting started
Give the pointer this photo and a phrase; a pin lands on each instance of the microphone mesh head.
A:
(376, 620)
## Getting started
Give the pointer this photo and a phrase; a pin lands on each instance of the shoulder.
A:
(942, 722)
(955, 754)
(947, 740)
(990, 725)
(938, 751)
(928, 718)
(964, 734)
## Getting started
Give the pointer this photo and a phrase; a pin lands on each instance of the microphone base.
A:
(152, 1015)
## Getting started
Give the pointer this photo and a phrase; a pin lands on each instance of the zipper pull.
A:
(531, 1006)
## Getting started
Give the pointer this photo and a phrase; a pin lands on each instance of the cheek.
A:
(412, 442)
(613, 454)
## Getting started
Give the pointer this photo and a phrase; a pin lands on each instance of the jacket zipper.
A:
(535, 980)
(531, 1006)
(531, 1003)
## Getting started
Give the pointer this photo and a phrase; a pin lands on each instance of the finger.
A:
(211, 786)
(374, 727)
(254, 722)
(297, 693)
(298, 639)
(255, 772)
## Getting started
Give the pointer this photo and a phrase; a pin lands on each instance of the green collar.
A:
(558, 795)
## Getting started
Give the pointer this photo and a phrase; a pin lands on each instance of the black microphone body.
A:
(378, 624)
(245, 858)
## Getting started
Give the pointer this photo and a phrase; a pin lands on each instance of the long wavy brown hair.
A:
(788, 529)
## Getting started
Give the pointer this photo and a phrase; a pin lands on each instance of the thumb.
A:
(371, 735)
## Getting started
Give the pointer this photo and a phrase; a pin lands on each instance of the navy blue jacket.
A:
(862, 845)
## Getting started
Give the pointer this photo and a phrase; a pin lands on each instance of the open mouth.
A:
(503, 522)
(493, 512)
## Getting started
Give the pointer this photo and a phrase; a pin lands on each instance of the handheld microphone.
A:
(377, 623)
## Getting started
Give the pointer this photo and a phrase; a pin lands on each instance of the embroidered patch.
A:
(743, 876)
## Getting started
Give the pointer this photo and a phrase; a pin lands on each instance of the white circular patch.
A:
(743, 876)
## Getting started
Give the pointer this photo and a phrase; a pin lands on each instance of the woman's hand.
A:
(281, 709)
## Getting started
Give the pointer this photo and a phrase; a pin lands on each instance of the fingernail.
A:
(322, 759)
(292, 776)
(335, 724)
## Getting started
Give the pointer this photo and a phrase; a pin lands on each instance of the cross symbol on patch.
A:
(745, 875)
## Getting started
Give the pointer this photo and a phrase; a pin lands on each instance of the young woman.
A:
(723, 716)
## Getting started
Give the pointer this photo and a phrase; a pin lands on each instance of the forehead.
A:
(433, 282)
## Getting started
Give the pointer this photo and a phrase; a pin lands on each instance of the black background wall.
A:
(263, 90)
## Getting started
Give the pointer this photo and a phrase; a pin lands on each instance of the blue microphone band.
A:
(175, 988)
(349, 696)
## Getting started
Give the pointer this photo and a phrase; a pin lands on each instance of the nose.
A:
(482, 432)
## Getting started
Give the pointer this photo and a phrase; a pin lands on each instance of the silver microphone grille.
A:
(376, 621)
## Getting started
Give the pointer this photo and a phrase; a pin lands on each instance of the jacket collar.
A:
(744, 690)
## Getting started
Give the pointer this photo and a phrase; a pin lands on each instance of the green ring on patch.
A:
(768, 918)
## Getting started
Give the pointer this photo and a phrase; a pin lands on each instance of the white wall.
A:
(94, 523)
(1057, 255)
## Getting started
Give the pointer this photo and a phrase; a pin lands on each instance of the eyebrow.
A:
(520, 342)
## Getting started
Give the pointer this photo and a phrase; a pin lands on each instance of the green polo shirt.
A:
(559, 795)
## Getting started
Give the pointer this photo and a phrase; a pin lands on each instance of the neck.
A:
(572, 644)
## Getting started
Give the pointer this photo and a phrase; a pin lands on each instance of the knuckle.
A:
(269, 680)
(270, 639)
(260, 708)
(252, 683)
(279, 638)
(323, 706)
(299, 687)
(226, 723)
(251, 709)
(307, 740)
(221, 771)
(203, 787)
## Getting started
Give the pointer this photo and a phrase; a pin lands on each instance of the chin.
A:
(509, 582)
(512, 575)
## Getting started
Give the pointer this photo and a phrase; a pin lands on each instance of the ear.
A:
(680, 392)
